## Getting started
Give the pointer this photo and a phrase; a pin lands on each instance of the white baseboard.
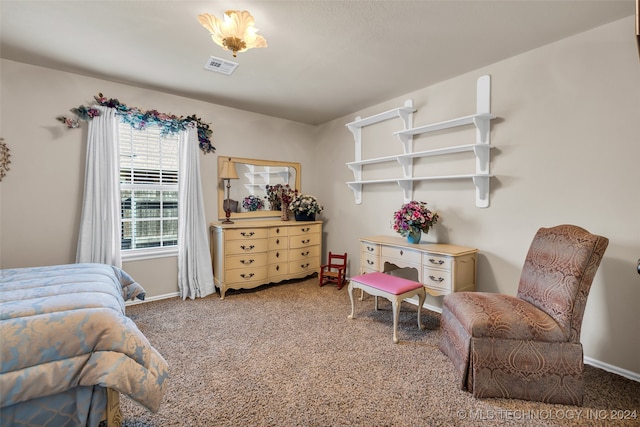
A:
(613, 369)
(156, 298)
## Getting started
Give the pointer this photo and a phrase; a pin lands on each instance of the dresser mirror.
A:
(253, 176)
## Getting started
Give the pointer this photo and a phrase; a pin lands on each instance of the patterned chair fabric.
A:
(527, 347)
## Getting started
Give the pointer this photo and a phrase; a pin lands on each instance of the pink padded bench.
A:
(393, 288)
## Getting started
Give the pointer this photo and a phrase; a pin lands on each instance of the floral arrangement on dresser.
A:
(279, 194)
(305, 204)
(414, 218)
(252, 203)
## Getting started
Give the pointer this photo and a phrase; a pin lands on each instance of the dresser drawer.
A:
(246, 260)
(246, 233)
(277, 269)
(277, 256)
(310, 264)
(248, 274)
(390, 253)
(234, 247)
(278, 243)
(304, 253)
(437, 279)
(304, 240)
(370, 261)
(278, 231)
(437, 261)
(370, 248)
(297, 230)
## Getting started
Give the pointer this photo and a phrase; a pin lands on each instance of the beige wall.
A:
(41, 195)
(566, 151)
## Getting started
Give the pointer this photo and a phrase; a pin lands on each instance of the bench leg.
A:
(395, 305)
(421, 297)
(350, 288)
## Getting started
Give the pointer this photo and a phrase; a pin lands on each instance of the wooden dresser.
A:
(442, 268)
(248, 254)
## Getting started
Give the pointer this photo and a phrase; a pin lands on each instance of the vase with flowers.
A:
(413, 219)
(252, 203)
(305, 207)
(279, 197)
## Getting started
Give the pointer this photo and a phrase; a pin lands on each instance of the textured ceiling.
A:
(325, 59)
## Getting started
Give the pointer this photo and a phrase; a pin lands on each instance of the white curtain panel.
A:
(195, 274)
(99, 239)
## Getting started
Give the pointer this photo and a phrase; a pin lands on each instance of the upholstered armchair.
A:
(527, 346)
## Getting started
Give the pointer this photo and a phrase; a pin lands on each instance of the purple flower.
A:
(413, 217)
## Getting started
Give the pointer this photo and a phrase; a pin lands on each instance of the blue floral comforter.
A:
(64, 326)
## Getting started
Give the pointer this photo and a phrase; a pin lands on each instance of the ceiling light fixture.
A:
(236, 33)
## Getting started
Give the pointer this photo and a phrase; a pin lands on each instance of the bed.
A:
(68, 350)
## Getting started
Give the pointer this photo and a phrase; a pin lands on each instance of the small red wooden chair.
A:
(334, 270)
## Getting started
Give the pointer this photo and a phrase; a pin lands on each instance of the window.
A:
(148, 189)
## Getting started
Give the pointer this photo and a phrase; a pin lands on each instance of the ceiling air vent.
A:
(220, 65)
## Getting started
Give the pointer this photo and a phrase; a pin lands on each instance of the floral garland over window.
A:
(139, 119)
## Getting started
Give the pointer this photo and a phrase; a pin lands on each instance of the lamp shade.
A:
(228, 170)
(235, 33)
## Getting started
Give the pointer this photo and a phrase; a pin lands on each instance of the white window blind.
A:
(148, 187)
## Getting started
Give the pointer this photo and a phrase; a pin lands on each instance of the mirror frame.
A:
(256, 162)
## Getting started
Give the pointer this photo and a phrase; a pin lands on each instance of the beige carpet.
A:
(286, 355)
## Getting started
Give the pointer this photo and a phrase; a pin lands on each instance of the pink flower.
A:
(413, 217)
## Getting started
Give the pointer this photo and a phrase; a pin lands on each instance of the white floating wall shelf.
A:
(481, 149)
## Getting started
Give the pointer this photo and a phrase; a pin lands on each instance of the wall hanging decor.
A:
(4, 158)
(140, 119)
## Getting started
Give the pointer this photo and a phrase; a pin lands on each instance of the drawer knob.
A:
(370, 249)
(277, 254)
(277, 241)
(247, 276)
(245, 234)
(370, 262)
(401, 252)
(433, 261)
(304, 230)
(304, 265)
(247, 248)
(247, 261)
(306, 241)
(439, 279)
(304, 253)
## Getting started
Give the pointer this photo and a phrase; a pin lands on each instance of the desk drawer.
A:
(246, 260)
(370, 248)
(365, 270)
(246, 233)
(390, 253)
(437, 279)
(370, 261)
(437, 261)
(235, 247)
